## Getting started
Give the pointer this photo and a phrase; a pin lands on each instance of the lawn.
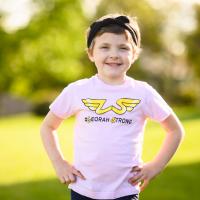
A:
(27, 174)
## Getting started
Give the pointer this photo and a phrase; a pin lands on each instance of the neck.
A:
(113, 81)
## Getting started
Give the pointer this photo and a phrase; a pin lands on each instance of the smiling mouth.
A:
(114, 64)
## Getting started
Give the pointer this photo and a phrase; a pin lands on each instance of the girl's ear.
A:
(90, 55)
(134, 56)
(133, 59)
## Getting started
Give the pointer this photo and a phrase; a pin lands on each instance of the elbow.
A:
(180, 133)
(46, 129)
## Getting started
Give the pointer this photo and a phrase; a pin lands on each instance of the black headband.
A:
(122, 21)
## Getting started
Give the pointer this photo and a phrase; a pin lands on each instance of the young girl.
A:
(111, 110)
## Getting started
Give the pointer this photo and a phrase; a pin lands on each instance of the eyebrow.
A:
(123, 44)
(105, 44)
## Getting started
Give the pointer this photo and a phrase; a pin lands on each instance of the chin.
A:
(113, 73)
(114, 76)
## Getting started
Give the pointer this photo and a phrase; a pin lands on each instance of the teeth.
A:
(113, 64)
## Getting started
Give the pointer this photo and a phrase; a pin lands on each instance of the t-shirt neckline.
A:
(109, 86)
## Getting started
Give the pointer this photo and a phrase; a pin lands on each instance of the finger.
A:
(136, 169)
(72, 178)
(136, 177)
(136, 181)
(78, 173)
(67, 180)
(144, 185)
(62, 180)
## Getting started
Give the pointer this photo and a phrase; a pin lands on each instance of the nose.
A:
(113, 54)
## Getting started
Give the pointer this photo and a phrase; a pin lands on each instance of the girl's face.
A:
(113, 55)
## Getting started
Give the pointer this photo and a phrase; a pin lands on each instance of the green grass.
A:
(27, 174)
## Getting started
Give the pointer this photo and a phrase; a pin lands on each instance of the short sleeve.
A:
(64, 105)
(155, 106)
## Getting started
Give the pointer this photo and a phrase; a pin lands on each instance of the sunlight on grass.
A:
(188, 152)
(23, 157)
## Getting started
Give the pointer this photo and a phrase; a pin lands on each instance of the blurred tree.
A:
(7, 47)
(193, 44)
(45, 55)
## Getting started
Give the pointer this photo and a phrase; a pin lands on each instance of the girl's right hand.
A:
(66, 172)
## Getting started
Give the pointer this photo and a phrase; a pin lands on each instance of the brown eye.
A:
(124, 48)
(104, 47)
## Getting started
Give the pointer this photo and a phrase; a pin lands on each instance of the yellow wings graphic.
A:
(125, 104)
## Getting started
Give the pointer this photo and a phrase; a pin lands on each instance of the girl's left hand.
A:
(144, 174)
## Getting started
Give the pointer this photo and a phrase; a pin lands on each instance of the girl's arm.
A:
(65, 172)
(174, 134)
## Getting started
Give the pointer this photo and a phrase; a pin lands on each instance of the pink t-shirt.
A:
(109, 131)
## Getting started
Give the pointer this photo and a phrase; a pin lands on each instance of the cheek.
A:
(125, 53)
(99, 56)
(127, 56)
(131, 57)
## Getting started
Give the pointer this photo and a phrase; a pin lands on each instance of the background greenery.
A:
(38, 60)
(26, 172)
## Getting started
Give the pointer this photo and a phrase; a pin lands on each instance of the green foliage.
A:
(39, 60)
(193, 44)
(45, 54)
